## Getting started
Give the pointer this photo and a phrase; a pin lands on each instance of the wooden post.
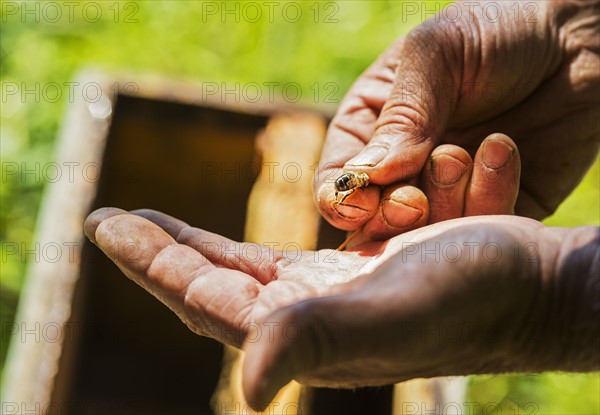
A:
(430, 396)
(280, 210)
(46, 299)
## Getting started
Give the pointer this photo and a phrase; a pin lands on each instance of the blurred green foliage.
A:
(548, 394)
(326, 42)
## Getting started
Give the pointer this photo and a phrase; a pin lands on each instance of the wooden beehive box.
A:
(103, 344)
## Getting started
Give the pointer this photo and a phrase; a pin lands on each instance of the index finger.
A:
(350, 130)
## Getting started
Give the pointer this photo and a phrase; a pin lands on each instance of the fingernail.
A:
(369, 157)
(446, 170)
(496, 154)
(400, 215)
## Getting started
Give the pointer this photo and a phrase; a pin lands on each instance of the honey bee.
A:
(348, 182)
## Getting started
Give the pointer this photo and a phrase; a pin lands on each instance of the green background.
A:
(328, 42)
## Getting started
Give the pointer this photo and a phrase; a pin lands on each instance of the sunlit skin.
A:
(358, 317)
(417, 265)
(435, 87)
(220, 288)
(452, 185)
(354, 312)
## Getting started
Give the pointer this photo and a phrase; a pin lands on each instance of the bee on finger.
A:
(348, 182)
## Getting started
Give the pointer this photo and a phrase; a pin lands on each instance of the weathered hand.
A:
(377, 314)
(214, 283)
(451, 185)
(530, 70)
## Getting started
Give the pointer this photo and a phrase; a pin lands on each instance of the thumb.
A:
(296, 342)
(416, 114)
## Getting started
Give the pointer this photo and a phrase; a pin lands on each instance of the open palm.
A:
(218, 287)
(331, 318)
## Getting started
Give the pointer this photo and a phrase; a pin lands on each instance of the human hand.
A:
(450, 186)
(534, 74)
(330, 318)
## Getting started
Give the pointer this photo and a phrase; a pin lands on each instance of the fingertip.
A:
(403, 208)
(497, 150)
(292, 342)
(265, 368)
(454, 151)
(445, 180)
(351, 212)
(96, 217)
(447, 165)
(131, 241)
(258, 392)
(494, 184)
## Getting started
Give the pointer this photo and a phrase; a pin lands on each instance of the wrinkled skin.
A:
(222, 289)
(452, 185)
(351, 318)
(377, 313)
(533, 75)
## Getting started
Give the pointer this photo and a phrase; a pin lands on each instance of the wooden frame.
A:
(39, 374)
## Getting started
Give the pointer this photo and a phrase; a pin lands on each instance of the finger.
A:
(418, 109)
(402, 208)
(351, 128)
(445, 180)
(94, 219)
(134, 244)
(169, 224)
(306, 337)
(212, 301)
(351, 212)
(494, 184)
(250, 258)
(544, 185)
